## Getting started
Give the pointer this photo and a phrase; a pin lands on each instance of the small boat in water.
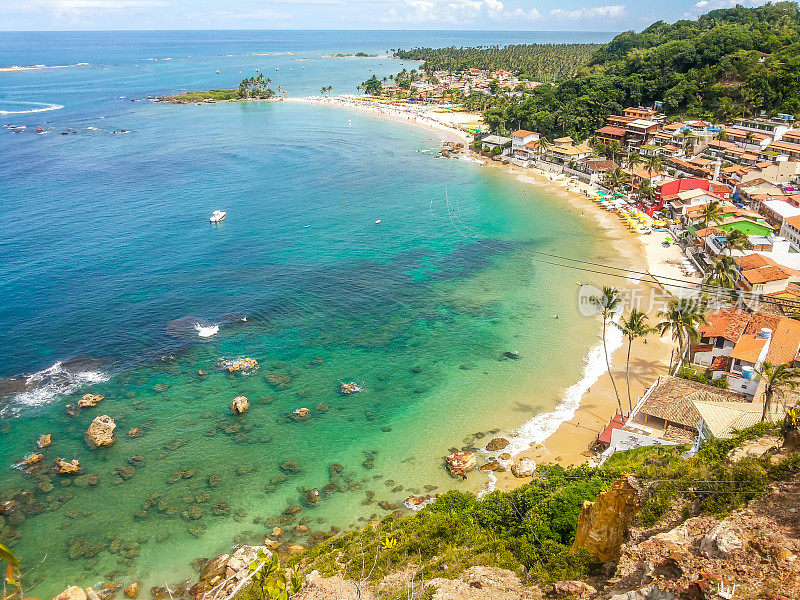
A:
(217, 216)
(378, 221)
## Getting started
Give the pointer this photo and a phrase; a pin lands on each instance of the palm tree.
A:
(607, 304)
(634, 327)
(646, 191)
(776, 379)
(682, 318)
(634, 158)
(737, 240)
(711, 212)
(653, 162)
(722, 273)
(615, 149)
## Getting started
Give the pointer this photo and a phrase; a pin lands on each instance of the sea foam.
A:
(46, 385)
(206, 331)
(542, 426)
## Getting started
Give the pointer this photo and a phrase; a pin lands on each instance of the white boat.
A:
(378, 221)
(217, 216)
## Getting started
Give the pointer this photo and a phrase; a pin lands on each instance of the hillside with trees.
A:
(727, 63)
(530, 61)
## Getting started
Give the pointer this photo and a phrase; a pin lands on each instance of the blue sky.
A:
(526, 15)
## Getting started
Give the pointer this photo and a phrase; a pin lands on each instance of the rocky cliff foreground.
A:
(725, 524)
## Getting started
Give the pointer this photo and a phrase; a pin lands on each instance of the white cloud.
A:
(590, 12)
(704, 6)
(455, 12)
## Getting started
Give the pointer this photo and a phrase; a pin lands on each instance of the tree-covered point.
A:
(252, 88)
(728, 63)
(529, 61)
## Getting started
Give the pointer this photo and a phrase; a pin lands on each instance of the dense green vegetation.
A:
(534, 526)
(530, 61)
(727, 63)
(256, 88)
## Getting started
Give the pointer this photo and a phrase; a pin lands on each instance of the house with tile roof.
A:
(735, 343)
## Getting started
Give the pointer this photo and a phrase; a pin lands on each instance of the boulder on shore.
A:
(460, 463)
(239, 405)
(90, 400)
(73, 592)
(67, 467)
(44, 441)
(526, 467)
(101, 432)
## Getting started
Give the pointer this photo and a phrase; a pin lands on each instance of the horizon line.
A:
(66, 30)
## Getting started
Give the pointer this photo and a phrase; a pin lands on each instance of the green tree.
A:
(722, 273)
(736, 239)
(372, 86)
(711, 212)
(777, 378)
(607, 304)
(634, 327)
(682, 318)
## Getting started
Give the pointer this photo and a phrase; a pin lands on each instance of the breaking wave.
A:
(59, 379)
(37, 107)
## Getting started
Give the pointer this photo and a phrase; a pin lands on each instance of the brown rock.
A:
(73, 592)
(67, 467)
(524, 468)
(214, 567)
(460, 463)
(577, 589)
(101, 432)
(277, 532)
(135, 433)
(496, 444)
(90, 400)
(295, 548)
(239, 405)
(31, 460)
(44, 441)
(604, 523)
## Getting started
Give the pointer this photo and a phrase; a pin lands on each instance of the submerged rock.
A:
(30, 460)
(496, 444)
(239, 365)
(290, 467)
(101, 432)
(301, 414)
(132, 590)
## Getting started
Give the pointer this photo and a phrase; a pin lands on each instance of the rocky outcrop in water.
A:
(496, 444)
(90, 400)
(460, 463)
(101, 432)
(229, 567)
(239, 405)
(239, 365)
(64, 467)
(44, 441)
(604, 524)
(73, 592)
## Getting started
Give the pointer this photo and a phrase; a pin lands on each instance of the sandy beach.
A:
(569, 444)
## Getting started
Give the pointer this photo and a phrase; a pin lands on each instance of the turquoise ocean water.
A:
(113, 281)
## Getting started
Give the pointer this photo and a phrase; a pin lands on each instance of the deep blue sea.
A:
(112, 281)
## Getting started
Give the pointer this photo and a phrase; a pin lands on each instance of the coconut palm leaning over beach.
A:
(607, 304)
(776, 379)
(682, 318)
(634, 327)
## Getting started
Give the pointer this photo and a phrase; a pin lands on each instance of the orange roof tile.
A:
(785, 336)
(729, 324)
(748, 348)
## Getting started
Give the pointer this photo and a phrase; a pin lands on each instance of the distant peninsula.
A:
(250, 88)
